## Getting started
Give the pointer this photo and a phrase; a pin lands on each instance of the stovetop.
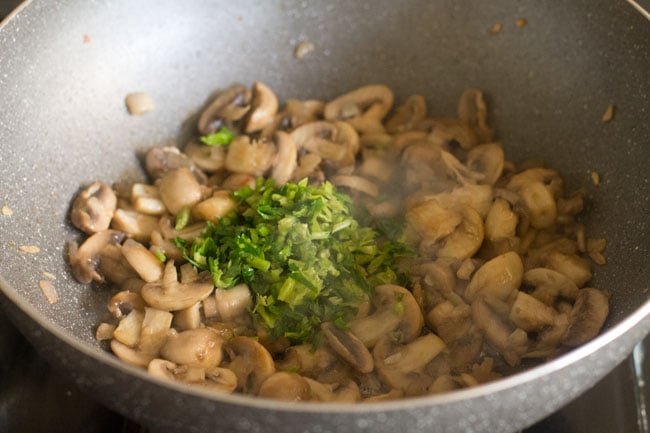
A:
(35, 399)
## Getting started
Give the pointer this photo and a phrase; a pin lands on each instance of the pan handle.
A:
(642, 10)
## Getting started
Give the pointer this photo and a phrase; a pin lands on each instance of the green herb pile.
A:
(302, 253)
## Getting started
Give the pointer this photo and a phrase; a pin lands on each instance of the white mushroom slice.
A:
(451, 322)
(135, 224)
(333, 392)
(548, 177)
(336, 142)
(216, 379)
(155, 330)
(501, 221)
(307, 361)
(348, 347)
(408, 115)
(575, 268)
(200, 347)
(104, 331)
(308, 167)
(300, 112)
(401, 366)
(472, 110)
(233, 303)
(444, 131)
(160, 160)
(249, 158)
(263, 109)
(251, 363)
(498, 278)
(432, 220)
(486, 159)
(587, 316)
(142, 260)
(393, 394)
(146, 200)
(113, 266)
(230, 105)
(236, 181)
(93, 208)
(84, 259)
(165, 246)
(170, 233)
(122, 303)
(130, 355)
(179, 189)
(363, 108)
(356, 183)
(395, 310)
(129, 329)
(286, 159)
(215, 207)
(139, 103)
(171, 295)
(530, 314)
(285, 386)
(549, 285)
(210, 159)
(188, 318)
(540, 205)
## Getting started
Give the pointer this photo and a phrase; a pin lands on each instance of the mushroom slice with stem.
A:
(171, 295)
(251, 363)
(466, 239)
(488, 160)
(549, 285)
(286, 160)
(93, 208)
(122, 303)
(335, 142)
(215, 379)
(253, 158)
(364, 108)
(498, 278)
(402, 366)
(472, 110)
(145, 263)
(210, 159)
(285, 386)
(408, 115)
(200, 347)
(229, 106)
(348, 347)
(587, 316)
(396, 311)
(84, 259)
(263, 109)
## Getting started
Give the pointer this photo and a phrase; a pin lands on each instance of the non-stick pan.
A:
(65, 68)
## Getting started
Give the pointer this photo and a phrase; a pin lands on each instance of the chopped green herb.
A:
(223, 137)
(302, 253)
(160, 256)
(182, 218)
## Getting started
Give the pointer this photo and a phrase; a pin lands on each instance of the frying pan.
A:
(65, 68)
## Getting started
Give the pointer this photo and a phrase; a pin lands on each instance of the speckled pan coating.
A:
(65, 68)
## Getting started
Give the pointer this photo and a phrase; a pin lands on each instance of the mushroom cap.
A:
(93, 208)
(201, 347)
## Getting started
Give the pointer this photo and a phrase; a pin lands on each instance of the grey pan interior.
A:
(63, 124)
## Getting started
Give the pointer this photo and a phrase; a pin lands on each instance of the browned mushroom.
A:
(200, 347)
(285, 386)
(263, 109)
(170, 295)
(93, 208)
(587, 316)
(348, 347)
(216, 379)
(179, 189)
(253, 158)
(229, 106)
(363, 108)
(251, 363)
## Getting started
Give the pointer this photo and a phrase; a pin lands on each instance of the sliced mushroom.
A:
(210, 159)
(147, 265)
(129, 329)
(498, 278)
(156, 328)
(444, 131)
(511, 343)
(130, 355)
(285, 386)
(179, 189)
(219, 205)
(335, 142)
(408, 115)
(233, 303)
(537, 199)
(286, 159)
(251, 363)
(188, 318)
(550, 178)
(263, 109)
(473, 111)
(229, 106)
(402, 366)
(587, 316)
(488, 160)
(451, 322)
(93, 208)
(530, 314)
(113, 266)
(200, 347)
(549, 285)
(501, 221)
(135, 224)
(253, 158)
(215, 379)
(163, 159)
(122, 303)
(356, 183)
(396, 311)
(363, 108)
(300, 112)
(466, 239)
(347, 392)
(171, 295)
(348, 347)
(574, 267)
(84, 259)
(308, 361)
